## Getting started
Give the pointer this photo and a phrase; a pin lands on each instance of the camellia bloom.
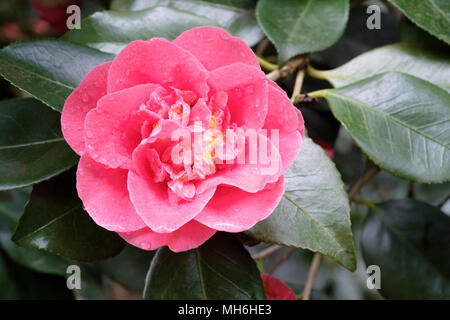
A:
(194, 97)
(276, 289)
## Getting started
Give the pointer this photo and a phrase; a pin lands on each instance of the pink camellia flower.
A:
(130, 118)
(276, 289)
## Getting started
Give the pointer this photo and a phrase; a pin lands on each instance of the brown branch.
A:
(355, 3)
(354, 190)
(266, 252)
(262, 46)
(411, 190)
(298, 84)
(311, 276)
(274, 75)
(289, 67)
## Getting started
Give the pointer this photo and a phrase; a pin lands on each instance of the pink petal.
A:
(80, 102)
(189, 236)
(105, 196)
(276, 86)
(276, 289)
(281, 112)
(111, 131)
(215, 47)
(157, 61)
(200, 112)
(282, 115)
(146, 239)
(250, 177)
(151, 201)
(147, 163)
(290, 145)
(161, 137)
(246, 86)
(234, 210)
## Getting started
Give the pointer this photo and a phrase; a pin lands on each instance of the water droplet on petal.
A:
(145, 245)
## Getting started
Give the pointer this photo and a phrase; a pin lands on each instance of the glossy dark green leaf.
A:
(129, 268)
(10, 289)
(301, 26)
(357, 38)
(31, 150)
(92, 284)
(54, 221)
(431, 15)
(48, 69)
(410, 58)
(12, 202)
(111, 31)
(11, 207)
(400, 122)
(384, 187)
(434, 194)
(410, 242)
(314, 213)
(17, 282)
(219, 269)
(409, 32)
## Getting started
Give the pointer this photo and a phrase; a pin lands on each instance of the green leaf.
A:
(11, 207)
(12, 202)
(30, 150)
(54, 221)
(10, 289)
(384, 187)
(245, 4)
(48, 69)
(410, 58)
(219, 269)
(314, 213)
(301, 26)
(409, 32)
(92, 284)
(400, 122)
(431, 15)
(111, 31)
(17, 282)
(434, 194)
(410, 242)
(135, 5)
(129, 268)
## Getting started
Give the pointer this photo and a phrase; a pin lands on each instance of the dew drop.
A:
(145, 245)
(85, 97)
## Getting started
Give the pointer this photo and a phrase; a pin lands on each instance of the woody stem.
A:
(311, 276)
